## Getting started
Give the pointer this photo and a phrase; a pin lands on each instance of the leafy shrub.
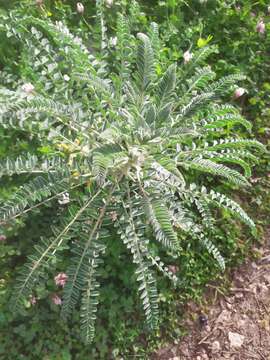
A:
(123, 145)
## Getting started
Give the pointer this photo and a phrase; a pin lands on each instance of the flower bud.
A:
(28, 88)
(113, 41)
(61, 279)
(239, 92)
(187, 56)
(260, 28)
(109, 3)
(3, 238)
(64, 199)
(56, 299)
(80, 8)
(33, 300)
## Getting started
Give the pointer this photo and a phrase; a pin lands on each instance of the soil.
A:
(237, 324)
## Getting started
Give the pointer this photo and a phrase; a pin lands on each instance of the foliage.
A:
(180, 29)
(126, 145)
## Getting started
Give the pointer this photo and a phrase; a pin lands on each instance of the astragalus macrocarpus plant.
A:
(126, 144)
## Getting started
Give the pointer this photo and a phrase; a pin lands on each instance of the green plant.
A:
(121, 147)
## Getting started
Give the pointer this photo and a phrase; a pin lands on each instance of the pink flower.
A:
(187, 56)
(173, 269)
(80, 8)
(61, 279)
(28, 88)
(33, 300)
(3, 238)
(260, 28)
(239, 92)
(56, 299)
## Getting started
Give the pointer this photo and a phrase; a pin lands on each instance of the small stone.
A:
(205, 356)
(215, 347)
(223, 317)
(254, 265)
(239, 295)
(236, 340)
(207, 328)
(228, 305)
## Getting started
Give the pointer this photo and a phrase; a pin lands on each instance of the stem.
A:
(37, 205)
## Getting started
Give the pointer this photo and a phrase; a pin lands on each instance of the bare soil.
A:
(237, 324)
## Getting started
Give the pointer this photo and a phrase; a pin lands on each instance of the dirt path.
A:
(237, 325)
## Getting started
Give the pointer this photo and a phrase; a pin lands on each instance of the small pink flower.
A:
(28, 88)
(253, 14)
(173, 268)
(33, 300)
(61, 279)
(80, 8)
(113, 216)
(239, 92)
(187, 56)
(260, 28)
(56, 299)
(3, 238)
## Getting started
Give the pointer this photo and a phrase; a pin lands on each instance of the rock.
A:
(254, 265)
(207, 328)
(236, 340)
(267, 278)
(215, 347)
(204, 357)
(224, 316)
(239, 295)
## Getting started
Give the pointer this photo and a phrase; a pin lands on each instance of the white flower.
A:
(113, 41)
(109, 3)
(65, 199)
(239, 92)
(80, 8)
(28, 88)
(66, 77)
(187, 56)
